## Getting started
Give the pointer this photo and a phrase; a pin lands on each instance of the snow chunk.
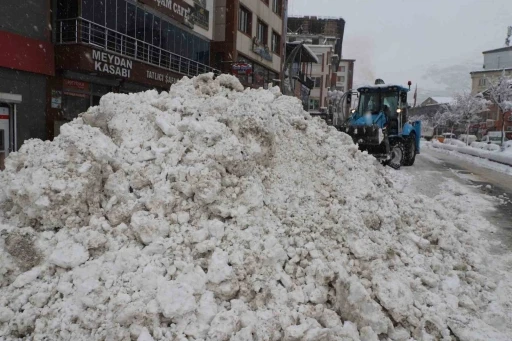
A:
(175, 299)
(69, 255)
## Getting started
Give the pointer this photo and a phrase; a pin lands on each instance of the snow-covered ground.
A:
(487, 152)
(477, 160)
(217, 213)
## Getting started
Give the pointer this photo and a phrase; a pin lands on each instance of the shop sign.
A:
(177, 9)
(72, 84)
(56, 99)
(75, 94)
(161, 77)
(242, 68)
(261, 49)
(112, 64)
(201, 16)
(4, 113)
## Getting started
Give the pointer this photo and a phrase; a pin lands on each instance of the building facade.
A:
(61, 56)
(298, 81)
(321, 30)
(125, 46)
(248, 40)
(26, 64)
(344, 76)
(322, 75)
(496, 62)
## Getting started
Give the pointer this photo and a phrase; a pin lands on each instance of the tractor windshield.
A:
(375, 102)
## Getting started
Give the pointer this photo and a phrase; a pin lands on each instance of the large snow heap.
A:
(217, 213)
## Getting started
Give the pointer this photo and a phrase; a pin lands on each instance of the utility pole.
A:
(509, 34)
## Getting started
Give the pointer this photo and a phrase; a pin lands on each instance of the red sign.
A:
(26, 54)
(4, 117)
(71, 84)
(242, 68)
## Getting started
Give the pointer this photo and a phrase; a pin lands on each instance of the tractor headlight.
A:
(380, 136)
(353, 111)
(399, 110)
(355, 131)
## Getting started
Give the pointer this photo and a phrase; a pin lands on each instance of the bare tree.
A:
(500, 93)
(466, 107)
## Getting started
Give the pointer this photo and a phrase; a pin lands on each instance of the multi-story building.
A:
(26, 63)
(61, 56)
(322, 75)
(124, 46)
(345, 75)
(248, 40)
(321, 31)
(496, 62)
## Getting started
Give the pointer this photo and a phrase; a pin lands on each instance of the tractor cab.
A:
(384, 106)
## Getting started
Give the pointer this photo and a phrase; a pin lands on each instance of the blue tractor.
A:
(380, 125)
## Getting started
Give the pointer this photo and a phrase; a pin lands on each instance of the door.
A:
(4, 135)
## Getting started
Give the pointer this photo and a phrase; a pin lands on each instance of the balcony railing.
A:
(307, 81)
(79, 30)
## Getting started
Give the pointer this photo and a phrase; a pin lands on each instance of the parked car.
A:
(493, 137)
(469, 139)
(449, 136)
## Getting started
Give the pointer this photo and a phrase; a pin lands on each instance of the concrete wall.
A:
(31, 113)
(27, 18)
(498, 60)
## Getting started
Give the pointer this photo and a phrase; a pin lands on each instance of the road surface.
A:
(432, 167)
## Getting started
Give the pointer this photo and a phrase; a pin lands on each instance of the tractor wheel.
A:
(410, 151)
(397, 155)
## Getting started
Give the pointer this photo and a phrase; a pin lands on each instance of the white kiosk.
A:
(8, 109)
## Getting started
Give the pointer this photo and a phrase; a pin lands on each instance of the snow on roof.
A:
(382, 86)
(311, 52)
(442, 100)
(308, 50)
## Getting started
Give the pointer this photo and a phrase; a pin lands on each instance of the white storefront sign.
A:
(112, 64)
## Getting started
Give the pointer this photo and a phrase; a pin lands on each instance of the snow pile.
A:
(214, 213)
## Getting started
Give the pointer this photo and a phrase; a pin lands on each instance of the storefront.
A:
(85, 74)
(253, 74)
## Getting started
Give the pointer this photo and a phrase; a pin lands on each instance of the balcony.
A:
(82, 31)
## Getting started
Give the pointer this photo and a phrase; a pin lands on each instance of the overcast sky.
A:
(434, 43)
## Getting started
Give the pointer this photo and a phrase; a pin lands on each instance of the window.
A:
(482, 82)
(314, 104)
(318, 82)
(262, 33)
(276, 7)
(342, 69)
(244, 20)
(341, 79)
(276, 43)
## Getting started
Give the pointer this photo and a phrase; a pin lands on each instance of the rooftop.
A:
(442, 100)
(501, 49)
